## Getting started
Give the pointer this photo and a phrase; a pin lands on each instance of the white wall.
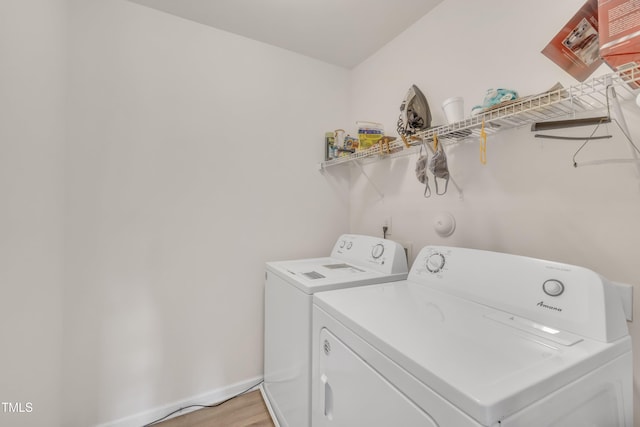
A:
(32, 131)
(191, 161)
(528, 199)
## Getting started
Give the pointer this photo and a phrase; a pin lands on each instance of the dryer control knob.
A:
(553, 287)
(377, 251)
(342, 243)
(435, 262)
(349, 245)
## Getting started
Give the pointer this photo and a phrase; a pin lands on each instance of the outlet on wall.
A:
(387, 223)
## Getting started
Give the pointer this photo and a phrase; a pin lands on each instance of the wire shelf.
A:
(557, 102)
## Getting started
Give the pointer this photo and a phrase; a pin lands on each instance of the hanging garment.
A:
(439, 168)
(421, 172)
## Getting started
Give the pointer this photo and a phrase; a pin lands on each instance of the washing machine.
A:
(355, 260)
(474, 338)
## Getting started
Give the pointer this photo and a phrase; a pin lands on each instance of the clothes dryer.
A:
(355, 260)
(474, 338)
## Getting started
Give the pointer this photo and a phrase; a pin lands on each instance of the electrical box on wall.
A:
(626, 295)
(408, 250)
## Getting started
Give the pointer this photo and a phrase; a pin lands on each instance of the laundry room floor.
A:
(248, 410)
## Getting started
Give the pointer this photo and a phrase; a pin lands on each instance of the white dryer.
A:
(474, 338)
(355, 260)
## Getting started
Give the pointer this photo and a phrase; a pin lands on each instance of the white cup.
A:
(453, 109)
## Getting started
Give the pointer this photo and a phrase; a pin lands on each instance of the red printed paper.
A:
(576, 48)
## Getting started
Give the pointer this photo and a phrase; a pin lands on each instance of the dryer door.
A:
(351, 393)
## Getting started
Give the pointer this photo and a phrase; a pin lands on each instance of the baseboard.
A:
(208, 398)
(268, 405)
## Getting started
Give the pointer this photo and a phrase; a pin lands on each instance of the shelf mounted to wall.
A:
(591, 95)
(559, 102)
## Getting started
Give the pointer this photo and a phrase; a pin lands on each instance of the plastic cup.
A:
(453, 109)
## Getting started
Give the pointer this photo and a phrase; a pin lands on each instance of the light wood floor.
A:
(247, 410)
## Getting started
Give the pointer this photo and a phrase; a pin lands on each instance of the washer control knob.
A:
(435, 262)
(377, 251)
(553, 287)
(349, 245)
(342, 243)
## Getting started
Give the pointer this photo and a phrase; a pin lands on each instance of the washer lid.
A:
(323, 274)
(463, 350)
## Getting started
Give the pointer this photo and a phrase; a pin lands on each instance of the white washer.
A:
(474, 338)
(355, 260)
